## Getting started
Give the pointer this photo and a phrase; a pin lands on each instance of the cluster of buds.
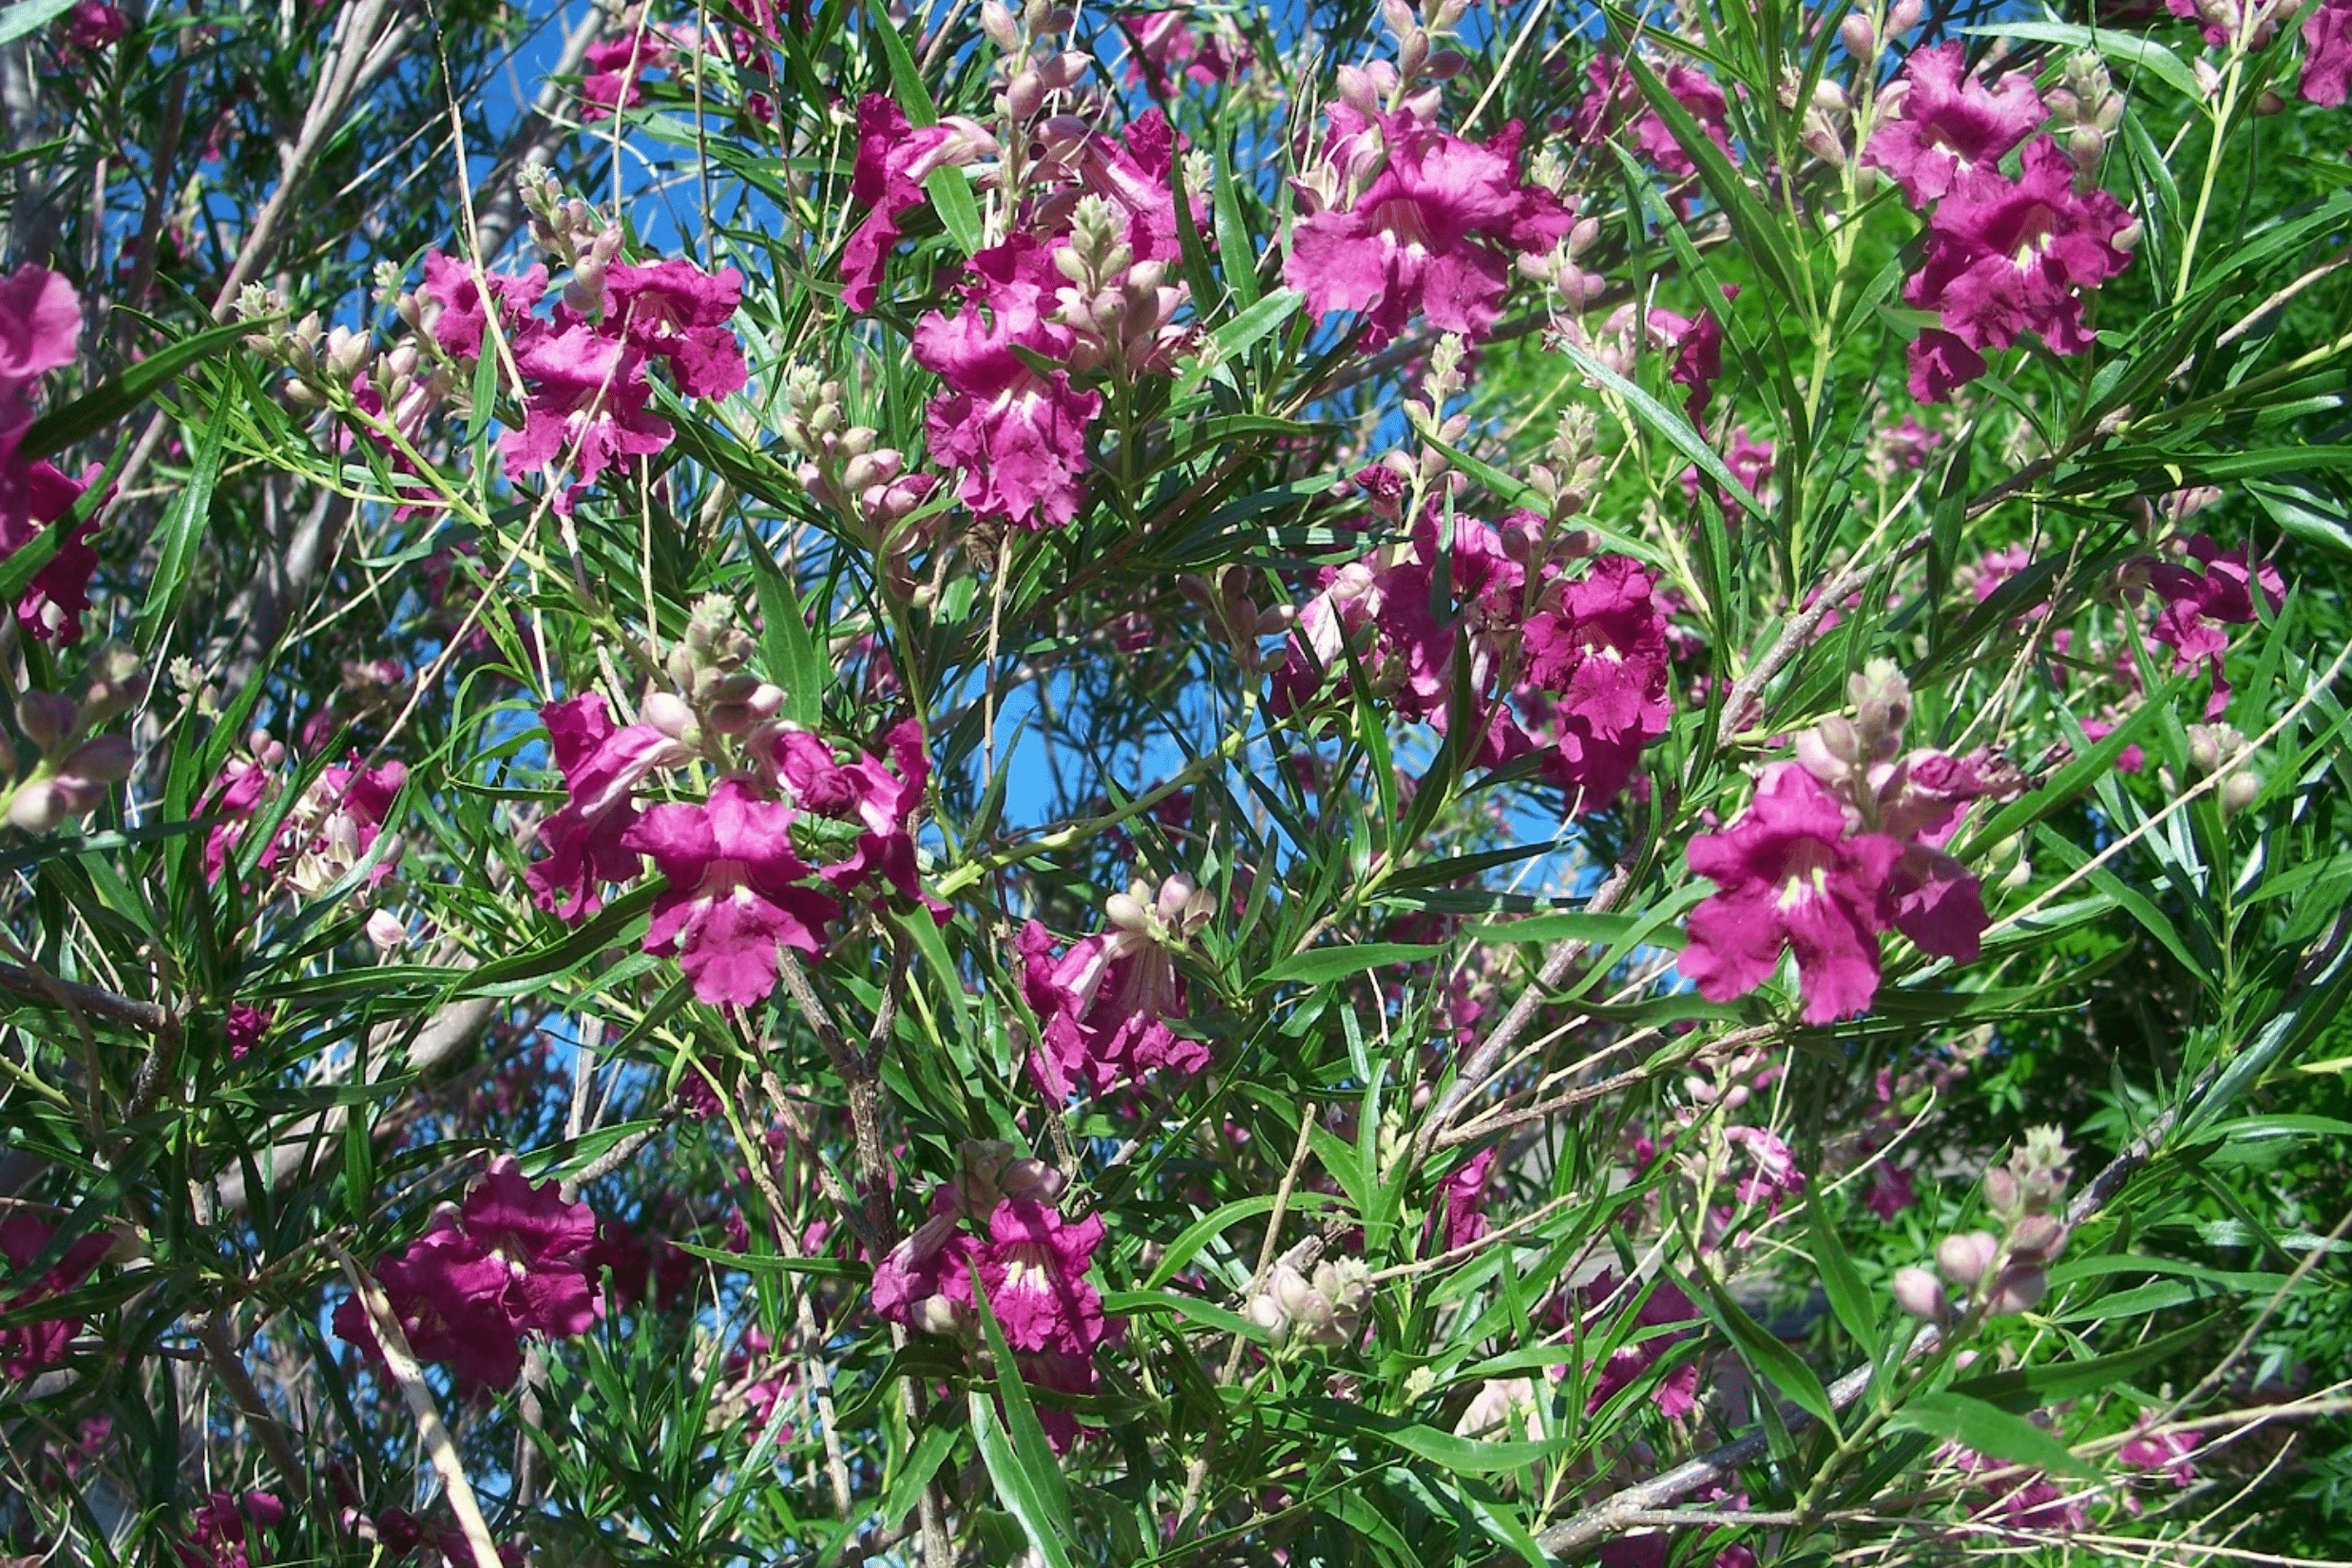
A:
(1570, 474)
(1841, 753)
(1865, 34)
(2085, 109)
(1325, 1308)
(327, 361)
(2239, 26)
(75, 766)
(2004, 1273)
(1421, 55)
(1828, 114)
(1142, 920)
(990, 1171)
(1122, 310)
(1234, 618)
(2216, 746)
(1033, 71)
(2162, 524)
(1562, 268)
(721, 696)
(570, 233)
(866, 485)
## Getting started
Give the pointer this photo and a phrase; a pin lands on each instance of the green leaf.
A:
(182, 531)
(1319, 965)
(105, 404)
(1557, 925)
(1214, 1223)
(794, 661)
(1855, 1306)
(1021, 1463)
(1990, 1431)
(2126, 47)
(1763, 1351)
(1672, 426)
(29, 17)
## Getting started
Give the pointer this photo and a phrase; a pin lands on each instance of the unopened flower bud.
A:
(1904, 17)
(669, 713)
(386, 931)
(2239, 791)
(1918, 1293)
(1964, 1258)
(1860, 38)
(46, 717)
(36, 808)
(2001, 1191)
(103, 759)
(2018, 1290)
(1003, 28)
(2037, 1238)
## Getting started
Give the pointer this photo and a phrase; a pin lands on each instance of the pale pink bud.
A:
(1964, 1258)
(2018, 1290)
(36, 808)
(46, 717)
(1918, 1293)
(1860, 39)
(386, 931)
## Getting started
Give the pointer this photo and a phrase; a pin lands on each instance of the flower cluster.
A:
(2005, 257)
(510, 1261)
(28, 1349)
(1103, 1005)
(1578, 661)
(995, 1229)
(2000, 1276)
(217, 1535)
(1838, 847)
(1399, 219)
(2201, 599)
(40, 331)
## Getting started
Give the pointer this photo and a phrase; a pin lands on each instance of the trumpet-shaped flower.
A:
(735, 894)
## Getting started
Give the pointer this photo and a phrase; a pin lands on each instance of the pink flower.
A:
(2004, 259)
(1600, 645)
(1463, 1195)
(2198, 604)
(33, 496)
(1165, 45)
(1017, 437)
(1891, 1190)
(1665, 1306)
(1771, 1173)
(217, 1537)
(1705, 102)
(2327, 53)
(734, 894)
(1941, 365)
(586, 407)
(1431, 235)
(457, 314)
(601, 766)
(40, 331)
(94, 25)
(512, 1261)
(1104, 1005)
(29, 1348)
(1946, 124)
(865, 791)
(616, 70)
(893, 157)
(2164, 1452)
(247, 1026)
(1035, 1273)
(1788, 875)
(675, 311)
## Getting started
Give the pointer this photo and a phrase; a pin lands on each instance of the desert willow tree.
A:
(1328, 783)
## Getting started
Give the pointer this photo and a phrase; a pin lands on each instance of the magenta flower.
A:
(616, 69)
(1166, 47)
(2164, 1453)
(1704, 102)
(1017, 438)
(1104, 1005)
(1890, 1192)
(601, 766)
(1664, 1308)
(1787, 876)
(1034, 1273)
(459, 315)
(512, 1261)
(892, 160)
(1946, 124)
(673, 310)
(1600, 646)
(94, 25)
(247, 1026)
(1463, 1198)
(29, 1348)
(2327, 53)
(40, 331)
(734, 894)
(587, 409)
(33, 496)
(2198, 604)
(1772, 1171)
(2004, 259)
(1432, 235)
(217, 1537)
(1941, 365)
(865, 791)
